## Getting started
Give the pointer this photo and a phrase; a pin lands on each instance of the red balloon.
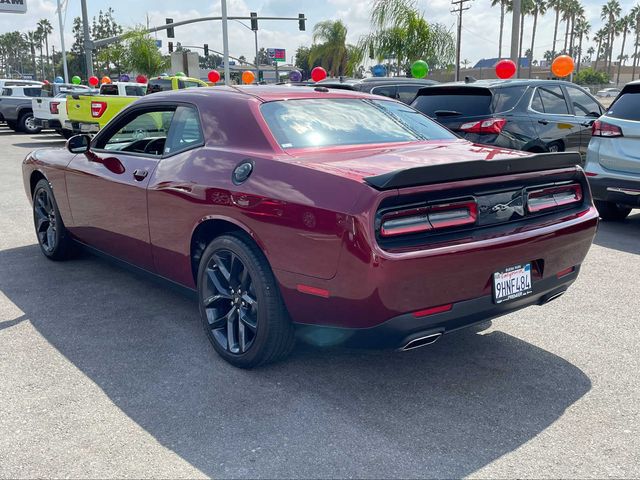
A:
(214, 76)
(47, 82)
(318, 73)
(94, 81)
(141, 79)
(505, 69)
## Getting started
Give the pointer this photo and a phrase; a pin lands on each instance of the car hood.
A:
(358, 162)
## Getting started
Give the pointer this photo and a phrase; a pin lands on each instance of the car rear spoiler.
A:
(475, 169)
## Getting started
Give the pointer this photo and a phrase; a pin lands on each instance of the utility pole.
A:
(88, 44)
(64, 50)
(515, 34)
(225, 42)
(459, 6)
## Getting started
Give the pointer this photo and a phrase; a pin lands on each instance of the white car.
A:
(608, 92)
(50, 108)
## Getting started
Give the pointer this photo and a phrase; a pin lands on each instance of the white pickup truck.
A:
(49, 110)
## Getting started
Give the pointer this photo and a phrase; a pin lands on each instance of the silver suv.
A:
(613, 156)
(15, 107)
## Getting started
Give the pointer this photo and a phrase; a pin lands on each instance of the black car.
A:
(400, 88)
(531, 115)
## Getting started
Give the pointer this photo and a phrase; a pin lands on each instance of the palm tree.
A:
(526, 7)
(599, 37)
(503, 6)
(332, 48)
(40, 39)
(557, 5)
(581, 30)
(635, 13)
(625, 24)
(577, 16)
(609, 14)
(32, 38)
(46, 29)
(590, 52)
(539, 7)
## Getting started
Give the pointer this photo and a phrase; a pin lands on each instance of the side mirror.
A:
(79, 144)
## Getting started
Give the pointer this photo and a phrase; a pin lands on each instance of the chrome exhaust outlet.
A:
(422, 341)
(553, 297)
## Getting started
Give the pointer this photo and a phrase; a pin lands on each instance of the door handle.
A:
(543, 122)
(140, 174)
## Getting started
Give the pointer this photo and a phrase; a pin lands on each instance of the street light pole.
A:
(515, 34)
(88, 45)
(225, 42)
(257, 61)
(64, 50)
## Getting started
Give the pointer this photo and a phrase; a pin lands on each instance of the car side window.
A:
(186, 131)
(406, 93)
(191, 84)
(32, 92)
(142, 132)
(385, 90)
(7, 92)
(553, 100)
(583, 104)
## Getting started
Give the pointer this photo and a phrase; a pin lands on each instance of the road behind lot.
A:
(104, 373)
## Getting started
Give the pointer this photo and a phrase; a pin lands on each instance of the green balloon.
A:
(180, 74)
(419, 69)
(76, 80)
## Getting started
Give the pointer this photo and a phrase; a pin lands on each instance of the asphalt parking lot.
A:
(104, 373)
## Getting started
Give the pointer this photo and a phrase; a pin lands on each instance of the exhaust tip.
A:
(422, 341)
(553, 297)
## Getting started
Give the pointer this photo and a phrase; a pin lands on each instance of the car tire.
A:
(26, 124)
(611, 211)
(241, 307)
(53, 238)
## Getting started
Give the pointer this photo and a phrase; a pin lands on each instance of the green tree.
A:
(599, 38)
(625, 25)
(589, 76)
(330, 44)
(582, 30)
(263, 58)
(503, 6)
(635, 14)
(609, 14)
(142, 53)
(32, 38)
(302, 61)
(45, 28)
(557, 6)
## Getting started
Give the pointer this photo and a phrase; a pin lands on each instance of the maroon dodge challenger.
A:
(346, 212)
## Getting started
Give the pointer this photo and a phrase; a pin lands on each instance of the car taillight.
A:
(491, 125)
(97, 109)
(53, 107)
(553, 197)
(604, 129)
(424, 219)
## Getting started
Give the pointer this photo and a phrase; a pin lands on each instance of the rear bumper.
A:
(624, 190)
(82, 127)
(403, 329)
(55, 124)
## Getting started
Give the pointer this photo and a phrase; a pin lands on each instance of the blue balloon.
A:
(379, 70)
(295, 76)
(124, 77)
(58, 80)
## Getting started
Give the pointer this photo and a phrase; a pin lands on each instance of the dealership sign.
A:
(13, 6)
(276, 54)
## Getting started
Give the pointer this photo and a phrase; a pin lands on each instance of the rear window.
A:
(461, 101)
(159, 85)
(135, 90)
(333, 122)
(627, 107)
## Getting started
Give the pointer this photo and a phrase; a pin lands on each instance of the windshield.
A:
(332, 122)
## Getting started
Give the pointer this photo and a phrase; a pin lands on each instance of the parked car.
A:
(400, 88)
(330, 209)
(12, 82)
(51, 105)
(529, 115)
(16, 109)
(613, 158)
(608, 92)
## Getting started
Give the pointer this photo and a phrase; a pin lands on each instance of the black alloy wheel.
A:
(53, 237)
(241, 307)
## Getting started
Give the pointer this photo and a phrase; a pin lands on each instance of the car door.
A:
(556, 125)
(107, 186)
(9, 103)
(586, 110)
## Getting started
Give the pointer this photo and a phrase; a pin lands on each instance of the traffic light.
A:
(301, 22)
(254, 21)
(206, 49)
(170, 47)
(170, 33)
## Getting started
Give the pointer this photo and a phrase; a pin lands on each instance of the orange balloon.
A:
(562, 66)
(105, 79)
(248, 77)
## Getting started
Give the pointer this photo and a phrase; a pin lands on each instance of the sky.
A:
(479, 34)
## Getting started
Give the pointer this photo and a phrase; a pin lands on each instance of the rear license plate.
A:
(512, 283)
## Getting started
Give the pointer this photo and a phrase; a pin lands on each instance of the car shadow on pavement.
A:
(441, 411)
(622, 235)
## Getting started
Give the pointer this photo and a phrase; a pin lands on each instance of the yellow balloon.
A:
(248, 77)
(562, 66)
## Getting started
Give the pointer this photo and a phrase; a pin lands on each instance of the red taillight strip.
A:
(453, 215)
(604, 129)
(308, 289)
(565, 272)
(551, 197)
(490, 125)
(433, 310)
(433, 217)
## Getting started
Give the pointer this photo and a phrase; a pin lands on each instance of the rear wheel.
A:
(53, 238)
(612, 211)
(240, 304)
(27, 124)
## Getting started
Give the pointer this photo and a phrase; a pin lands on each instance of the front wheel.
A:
(240, 303)
(53, 237)
(611, 211)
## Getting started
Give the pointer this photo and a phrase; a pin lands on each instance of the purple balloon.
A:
(295, 76)
(124, 77)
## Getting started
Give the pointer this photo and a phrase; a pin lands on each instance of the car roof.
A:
(497, 83)
(393, 80)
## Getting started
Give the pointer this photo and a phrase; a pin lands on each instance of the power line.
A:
(459, 6)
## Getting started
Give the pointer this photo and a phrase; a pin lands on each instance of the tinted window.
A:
(386, 91)
(145, 132)
(328, 122)
(463, 101)
(109, 89)
(159, 85)
(406, 93)
(185, 131)
(504, 99)
(627, 107)
(583, 104)
(416, 121)
(7, 92)
(552, 100)
(189, 84)
(32, 92)
(135, 90)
